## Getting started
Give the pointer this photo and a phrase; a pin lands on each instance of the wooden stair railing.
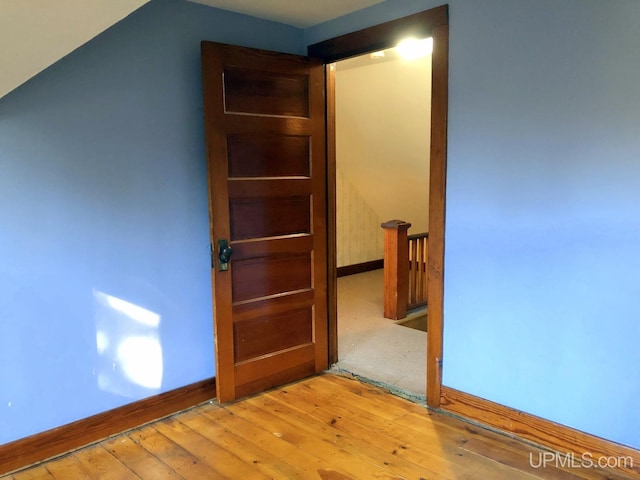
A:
(405, 272)
(418, 255)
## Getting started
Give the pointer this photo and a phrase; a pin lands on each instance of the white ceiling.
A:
(37, 33)
(299, 13)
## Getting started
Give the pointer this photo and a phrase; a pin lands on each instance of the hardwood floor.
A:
(327, 427)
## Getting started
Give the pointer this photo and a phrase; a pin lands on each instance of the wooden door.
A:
(265, 135)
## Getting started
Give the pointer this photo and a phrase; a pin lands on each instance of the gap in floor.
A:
(375, 348)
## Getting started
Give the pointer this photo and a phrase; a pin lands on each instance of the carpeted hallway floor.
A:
(373, 347)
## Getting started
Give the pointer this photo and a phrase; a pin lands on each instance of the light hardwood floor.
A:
(327, 427)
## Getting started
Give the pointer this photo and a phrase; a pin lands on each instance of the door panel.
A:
(263, 335)
(268, 155)
(265, 92)
(289, 365)
(268, 216)
(269, 275)
(265, 132)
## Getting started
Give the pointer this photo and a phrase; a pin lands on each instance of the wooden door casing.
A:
(265, 134)
(429, 23)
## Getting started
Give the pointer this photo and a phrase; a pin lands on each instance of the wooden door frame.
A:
(433, 23)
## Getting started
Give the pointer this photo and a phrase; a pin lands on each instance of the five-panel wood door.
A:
(265, 135)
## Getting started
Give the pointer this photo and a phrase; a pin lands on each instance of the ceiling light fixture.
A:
(413, 48)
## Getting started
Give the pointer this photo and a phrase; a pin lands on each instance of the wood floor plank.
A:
(364, 428)
(255, 434)
(344, 454)
(359, 419)
(101, 464)
(378, 400)
(363, 440)
(499, 447)
(225, 461)
(69, 466)
(35, 473)
(328, 427)
(403, 457)
(445, 430)
(185, 464)
(448, 431)
(519, 460)
(260, 459)
(140, 461)
(351, 405)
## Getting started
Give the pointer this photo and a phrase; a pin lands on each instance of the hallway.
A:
(374, 347)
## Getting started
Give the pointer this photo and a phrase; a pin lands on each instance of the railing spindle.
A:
(418, 246)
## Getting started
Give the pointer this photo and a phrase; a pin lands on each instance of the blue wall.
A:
(105, 293)
(542, 262)
(103, 212)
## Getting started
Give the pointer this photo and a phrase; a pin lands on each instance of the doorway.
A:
(382, 173)
(431, 23)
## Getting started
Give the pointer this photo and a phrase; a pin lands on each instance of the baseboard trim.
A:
(536, 430)
(51, 443)
(360, 268)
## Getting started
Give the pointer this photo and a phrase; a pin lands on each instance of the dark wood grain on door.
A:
(264, 118)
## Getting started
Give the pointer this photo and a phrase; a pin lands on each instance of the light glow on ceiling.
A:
(414, 48)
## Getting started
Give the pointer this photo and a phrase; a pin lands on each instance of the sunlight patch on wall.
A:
(129, 347)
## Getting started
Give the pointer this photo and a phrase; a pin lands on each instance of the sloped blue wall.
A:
(105, 292)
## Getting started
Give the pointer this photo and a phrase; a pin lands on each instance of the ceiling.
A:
(299, 13)
(36, 33)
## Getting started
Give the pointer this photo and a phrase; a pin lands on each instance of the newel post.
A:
(396, 268)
